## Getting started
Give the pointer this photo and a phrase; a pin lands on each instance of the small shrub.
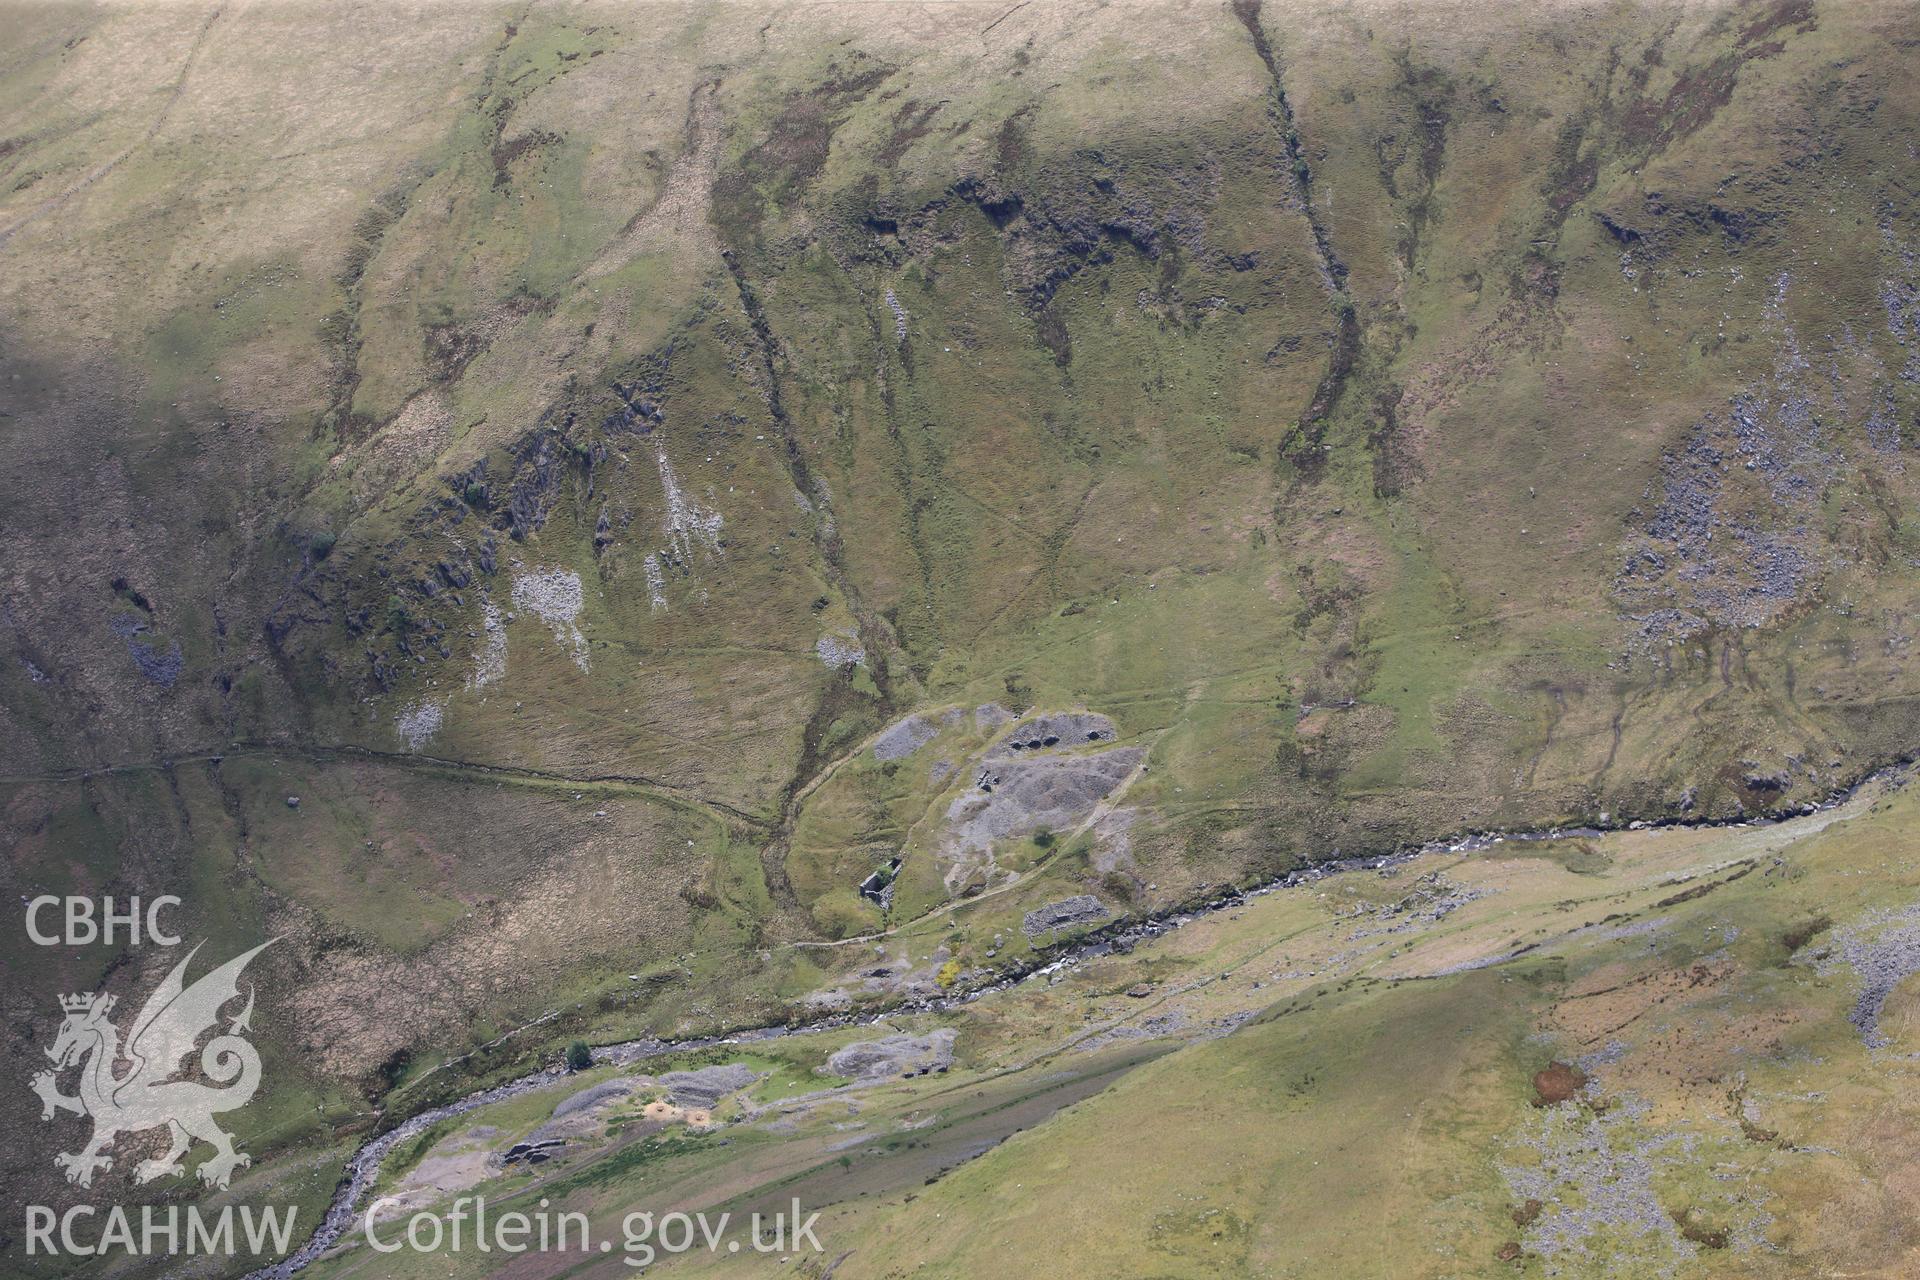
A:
(579, 1057)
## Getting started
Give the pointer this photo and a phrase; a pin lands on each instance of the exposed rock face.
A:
(417, 723)
(1082, 908)
(871, 1060)
(687, 523)
(578, 1116)
(705, 1087)
(656, 582)
(904, 738)
(1733, 539)
(1016, 796)
(1058, 730)
(159, 662)
(490, 658)
(1883, 950)
(593, 1096)
(555, 597)
(840, 651)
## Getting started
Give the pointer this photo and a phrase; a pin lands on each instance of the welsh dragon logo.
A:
(147, 1095)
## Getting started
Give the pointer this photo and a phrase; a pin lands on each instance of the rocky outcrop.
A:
(904, 737)
(1015, 796)
(703, 1089)
(1082, 908)
(872, 1060)
(1059, 729)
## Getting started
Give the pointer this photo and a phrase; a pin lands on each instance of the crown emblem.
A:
(85, 1002)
